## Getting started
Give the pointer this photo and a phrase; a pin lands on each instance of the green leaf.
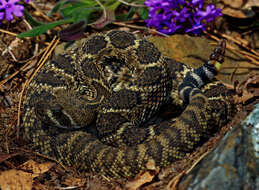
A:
(81, 14)
(143, 13)
(112, 4)
(67, 11)
(57, 7)
(65, 5)
(128, 15)
(43, 28)
(72, 9)
(87, 3)
(33, 22)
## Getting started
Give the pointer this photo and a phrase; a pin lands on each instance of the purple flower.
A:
(1, 16)
(8, 8)
(196, 3)
(190, 16)
(209, 14)
(182, 15)
(169, 28)
(196, 28)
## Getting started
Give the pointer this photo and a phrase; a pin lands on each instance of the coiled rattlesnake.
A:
(88, 107)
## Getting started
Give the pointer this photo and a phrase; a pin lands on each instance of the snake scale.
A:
(91, 106)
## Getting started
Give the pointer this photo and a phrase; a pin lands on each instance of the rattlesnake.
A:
(91, 106)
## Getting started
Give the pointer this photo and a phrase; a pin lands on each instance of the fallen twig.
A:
(40, 12)
(139, 27)
(131, 4)
(43, 59)
(7, 32)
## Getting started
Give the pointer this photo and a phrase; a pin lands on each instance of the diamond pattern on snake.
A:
(92, 106)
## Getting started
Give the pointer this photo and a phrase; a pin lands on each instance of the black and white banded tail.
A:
(195, 79)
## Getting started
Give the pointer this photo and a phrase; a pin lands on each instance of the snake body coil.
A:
(89, 107)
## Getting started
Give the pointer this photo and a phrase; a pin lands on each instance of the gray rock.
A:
(234, 164)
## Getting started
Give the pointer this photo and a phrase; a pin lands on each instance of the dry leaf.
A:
(172, 185)
(233, 3)
(35, 168)
(38, 186)
(251, 3)
(144, 177)
(234, 13)
(4, 156)
(21, 180)
(248, 89)
(72, 181)
(140, 180)
(15, 180)
(252, 85)
(151, 165)
(239, 8)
